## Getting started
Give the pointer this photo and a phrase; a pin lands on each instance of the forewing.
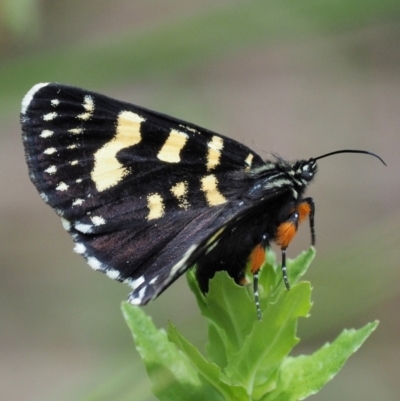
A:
(137, 190)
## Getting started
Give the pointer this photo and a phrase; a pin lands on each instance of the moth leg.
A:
(306, 208)
(256, 260)
(256, 296)
(284, 235)
(287, 230)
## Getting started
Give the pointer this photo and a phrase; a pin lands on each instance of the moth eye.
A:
(306, 175)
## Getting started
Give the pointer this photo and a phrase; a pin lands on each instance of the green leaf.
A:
(246, 359)
(299, 266)
(250, 352)
(304, 375)
(211, 372)
(229, 307)
(171, 373)
(271, 339)
(270, 276)
(215, 348)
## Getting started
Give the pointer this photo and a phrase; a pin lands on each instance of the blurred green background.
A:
(299, 78)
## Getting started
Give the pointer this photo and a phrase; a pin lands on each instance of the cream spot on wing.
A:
(248, 161)
(209, 185)
(113, 274)
(84, 116)
(135, 283)
(84, 228)
(181, 265)
(79, 180)
(189, 128)
(49, 151)
(71, 147)
(50, 116)
(214, 152)
(66, 224)
(62, 186)
(76, 131)
(211, 247)
(180, 191)
(46, 133)
(51, 170)
(77, 202)
(108, 171)
(80, 248)
(170, 152)
(88, 105)
(97, 220)
(94, 263)
(44, 197)
(73, 163)
(216, 236)
(29, 96)
(137, 299)
(55, 102)
(155, 204)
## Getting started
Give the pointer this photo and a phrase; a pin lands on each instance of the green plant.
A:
(245, 359)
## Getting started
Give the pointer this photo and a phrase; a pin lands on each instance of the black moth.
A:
(146, 196)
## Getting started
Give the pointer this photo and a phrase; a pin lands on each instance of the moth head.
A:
(305, 170)
(296, 175)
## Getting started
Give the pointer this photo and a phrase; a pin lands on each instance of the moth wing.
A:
(140, 192)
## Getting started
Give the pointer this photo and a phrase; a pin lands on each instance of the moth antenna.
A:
(365, 152)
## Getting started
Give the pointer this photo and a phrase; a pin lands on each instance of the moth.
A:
(146, 196)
